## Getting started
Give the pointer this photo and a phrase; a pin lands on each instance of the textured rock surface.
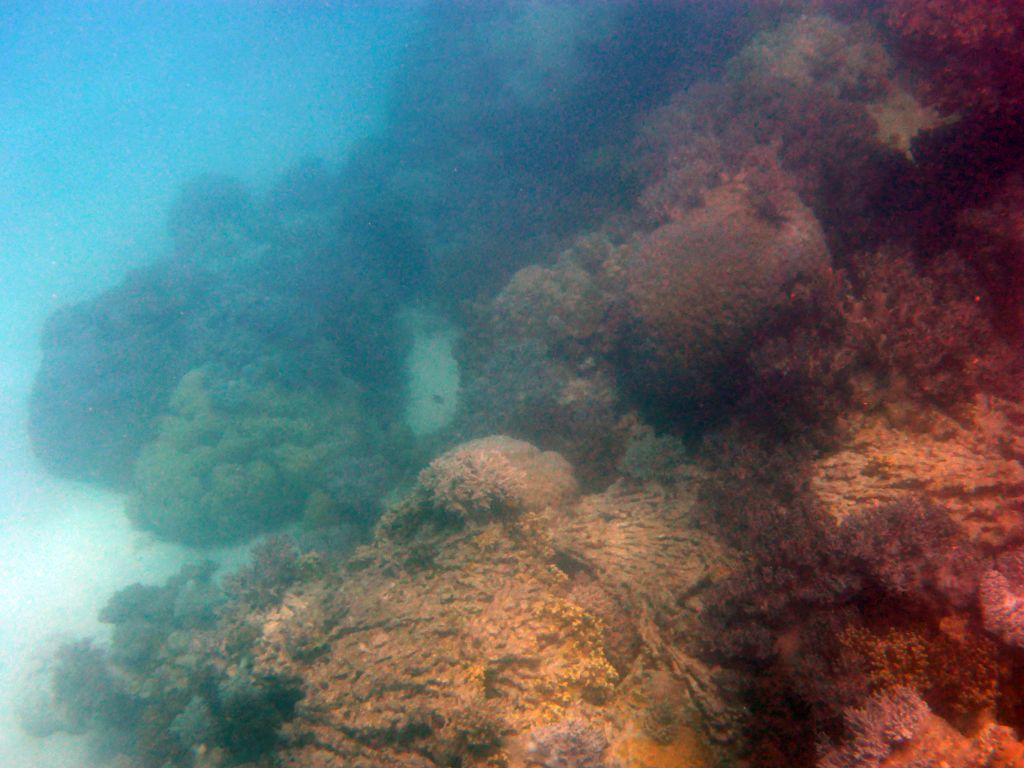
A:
(458, 645)
(974, 466)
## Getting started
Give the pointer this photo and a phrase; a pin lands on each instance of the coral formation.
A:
(537, 362)
(805, 90)
(108, 367)
(567, 744)
(974, 50)
(1001, 594)
(737, 468)
(497, 476)
(886, 721)
(701, 287)
(220, 472)
(213, 222)
(491, 654)
(968, 462)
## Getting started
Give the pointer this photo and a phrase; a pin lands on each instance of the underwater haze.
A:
(513, 384)
(105, 109)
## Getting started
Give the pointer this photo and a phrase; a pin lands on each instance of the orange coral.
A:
(957, 673)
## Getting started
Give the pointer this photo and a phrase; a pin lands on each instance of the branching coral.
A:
(920, 331)
(887, 720)
(913, 551)
(794, 619)
(957, 673)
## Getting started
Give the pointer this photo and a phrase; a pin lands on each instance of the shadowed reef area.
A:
(734, 474)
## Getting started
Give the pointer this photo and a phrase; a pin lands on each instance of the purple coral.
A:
(1001, 594)
(568, 744)
(886, 720)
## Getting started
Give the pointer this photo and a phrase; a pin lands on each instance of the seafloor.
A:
(724, 460)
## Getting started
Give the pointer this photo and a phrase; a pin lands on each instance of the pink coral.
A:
(887, 720)
(1001, 594)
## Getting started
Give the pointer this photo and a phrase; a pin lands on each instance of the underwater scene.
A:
(512, 384)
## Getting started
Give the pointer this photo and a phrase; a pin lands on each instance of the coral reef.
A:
(701, 287)
(493, 654)
(223, 471)
(886, 721)
(974, 50)
(737, 467)
(497, 476)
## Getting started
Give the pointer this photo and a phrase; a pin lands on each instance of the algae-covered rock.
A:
(223, 472)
